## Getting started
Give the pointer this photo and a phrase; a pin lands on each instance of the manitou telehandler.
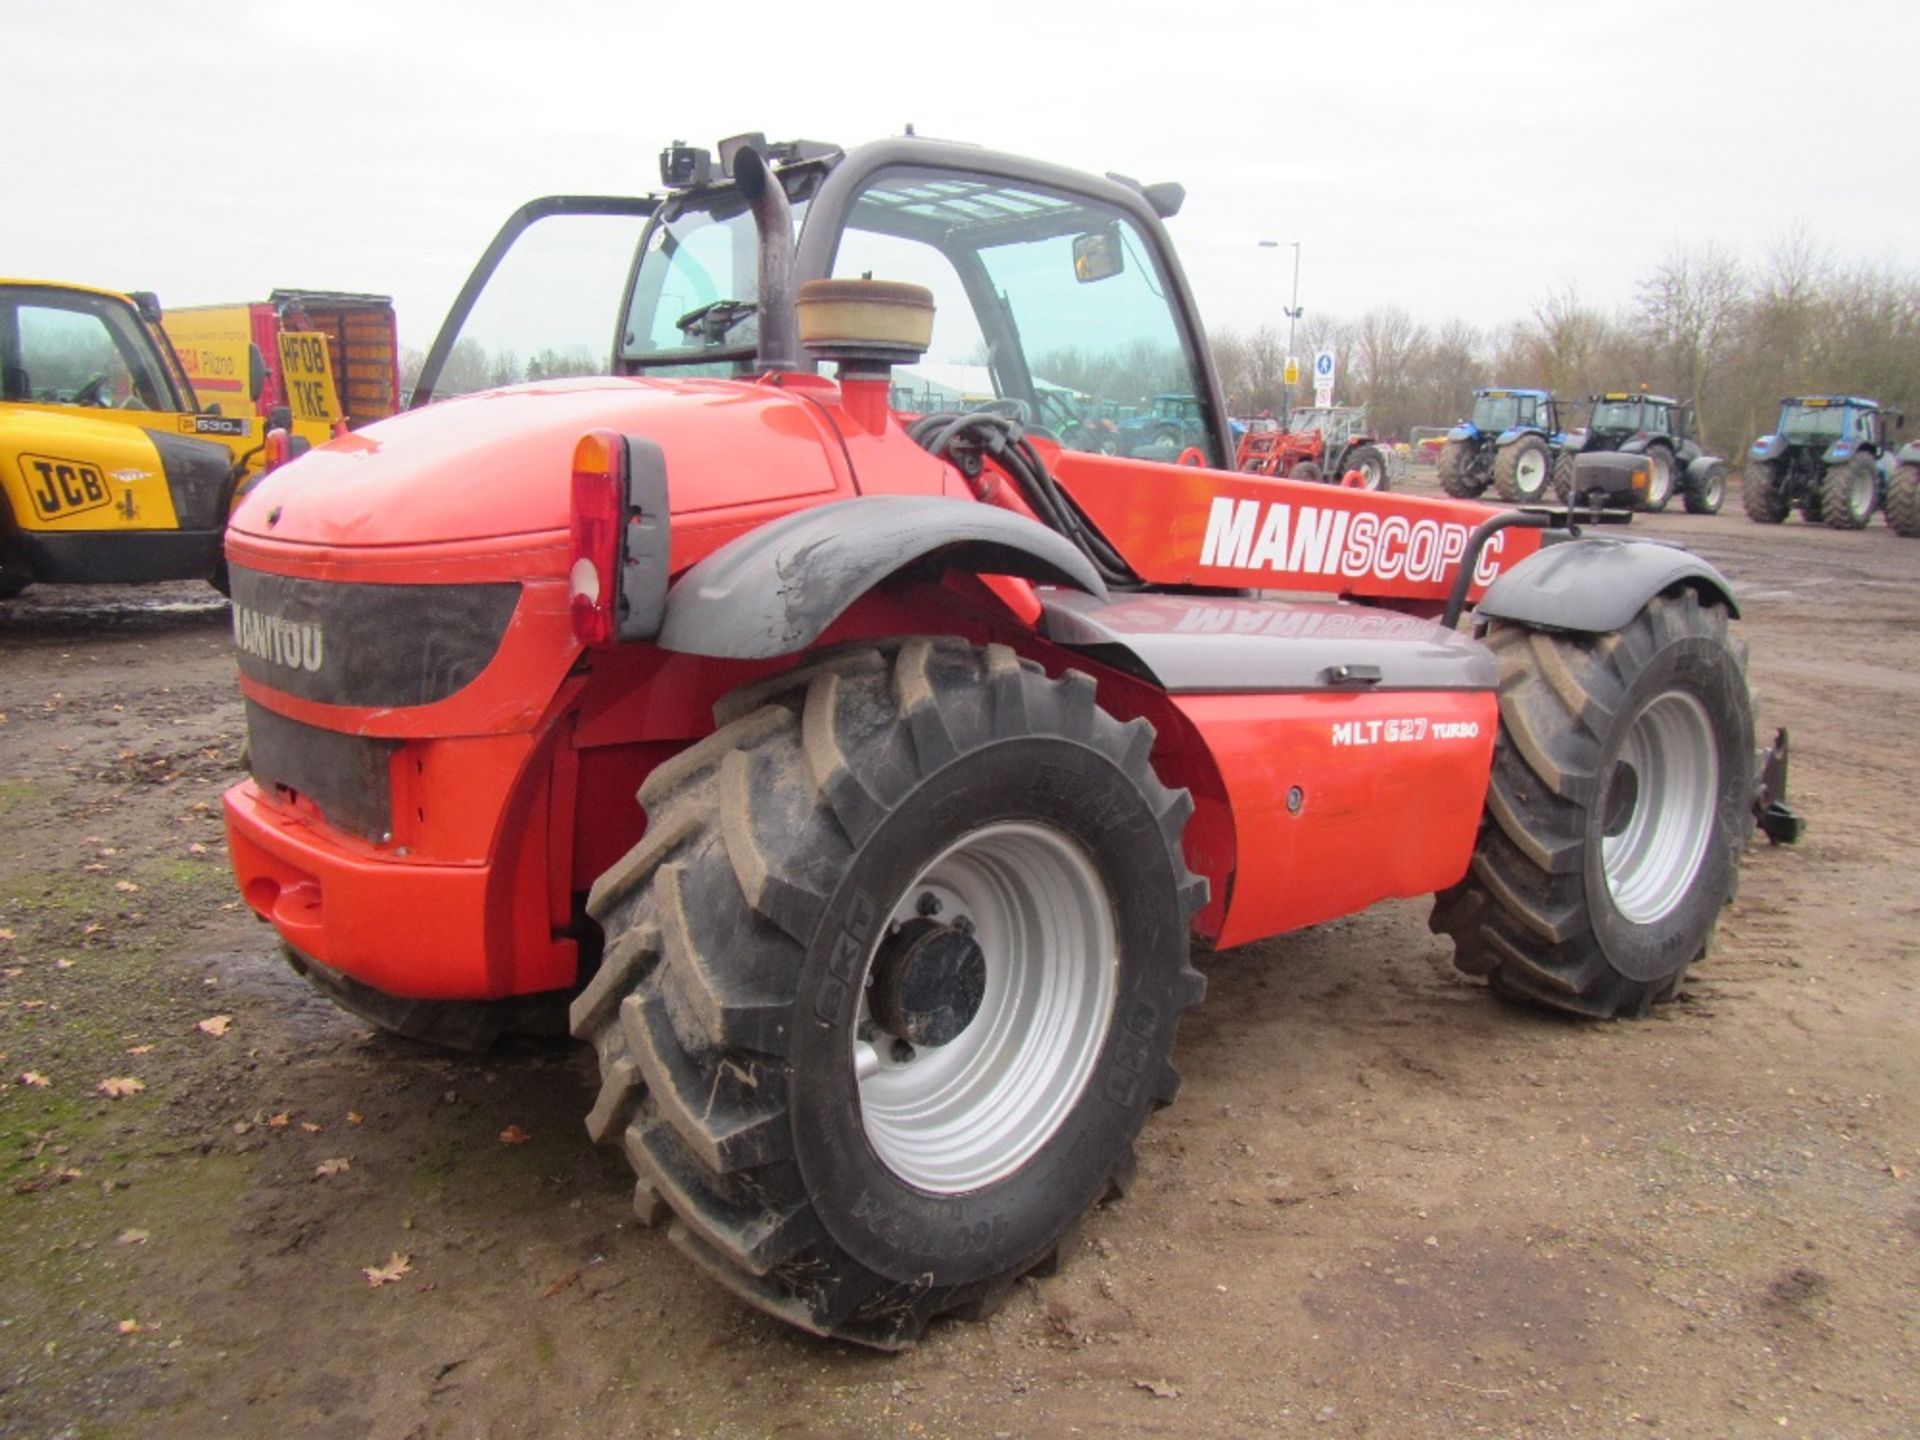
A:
(949, 742)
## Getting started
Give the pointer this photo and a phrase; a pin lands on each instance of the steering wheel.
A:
(91, 392)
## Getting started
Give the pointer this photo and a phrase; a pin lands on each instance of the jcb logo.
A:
(60, 488)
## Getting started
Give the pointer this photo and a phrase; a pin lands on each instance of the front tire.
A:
(1763, 493)
(1847, 493)
(1308, 471)
(1616, 812)
(1903, 500)
(1521, 470)
(891, 983)
(1456, 470)
(1707, 494)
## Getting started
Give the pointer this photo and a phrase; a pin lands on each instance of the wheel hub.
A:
(928, 981)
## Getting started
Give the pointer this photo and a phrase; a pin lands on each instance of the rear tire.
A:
(1456, 470)
(873, 835)
(1372, 465)
(1847, 493)
(1617, 809)
(1761, 493)
(1706, 495)
(1903, 500)
(1521, 470)
(1660, 486)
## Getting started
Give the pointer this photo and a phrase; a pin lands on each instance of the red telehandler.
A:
(858, 786)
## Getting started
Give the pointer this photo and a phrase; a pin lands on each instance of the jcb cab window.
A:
(1048, 299)
(77, 353)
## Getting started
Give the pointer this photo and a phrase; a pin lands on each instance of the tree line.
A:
(1732, 338)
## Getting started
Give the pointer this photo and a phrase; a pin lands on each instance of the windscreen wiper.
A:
(712, 321)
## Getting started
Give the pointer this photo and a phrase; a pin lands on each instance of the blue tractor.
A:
(1510, 443)
(1829, 456)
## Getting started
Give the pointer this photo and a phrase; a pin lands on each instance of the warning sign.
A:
(307, 376)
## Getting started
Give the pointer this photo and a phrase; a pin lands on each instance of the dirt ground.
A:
(1386, 1204)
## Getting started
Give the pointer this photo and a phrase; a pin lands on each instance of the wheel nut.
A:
(928, 904)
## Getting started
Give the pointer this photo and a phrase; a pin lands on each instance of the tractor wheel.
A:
(1903, 500)
(1660, 486)
(1563, 476)
(1762, 494)
(1372, 465)
(1616, 813)
(1847, 493)
(1706, 495)
(1306, 470)
(1456, 470)
(1521, 470)
(471, 1026)
(891, 982)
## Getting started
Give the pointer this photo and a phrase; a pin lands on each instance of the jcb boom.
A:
(857, 782)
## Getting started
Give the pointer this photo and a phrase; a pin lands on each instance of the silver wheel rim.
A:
(1662, 479)
(1860, 493)
(1529, 472)
(1653, 851)
(1716, 489)
(963, 1115)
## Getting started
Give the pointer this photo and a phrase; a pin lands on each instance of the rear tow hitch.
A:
(1779, 821)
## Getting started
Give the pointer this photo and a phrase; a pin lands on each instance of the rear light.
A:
(599, 513)
(280, 446)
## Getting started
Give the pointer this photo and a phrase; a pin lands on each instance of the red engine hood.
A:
(498, 464)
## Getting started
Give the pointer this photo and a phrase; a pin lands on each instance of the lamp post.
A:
(1293, 316)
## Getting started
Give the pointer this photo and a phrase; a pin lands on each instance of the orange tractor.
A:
(1325, 443)
(858, 789)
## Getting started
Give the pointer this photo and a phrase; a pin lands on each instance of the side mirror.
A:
(256, 372)
(1097, 255)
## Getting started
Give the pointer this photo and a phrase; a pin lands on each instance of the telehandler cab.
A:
(949, 742)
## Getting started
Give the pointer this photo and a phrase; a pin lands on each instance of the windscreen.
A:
(1493, 413)
(1813, 422)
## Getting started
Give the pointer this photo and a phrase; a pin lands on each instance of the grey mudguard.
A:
(1189, 644)
(1596, 584)
(772, 591)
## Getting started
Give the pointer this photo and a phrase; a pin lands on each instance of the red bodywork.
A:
(511, 795)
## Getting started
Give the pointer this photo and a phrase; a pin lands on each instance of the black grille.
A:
(345, 775)
(346, 644)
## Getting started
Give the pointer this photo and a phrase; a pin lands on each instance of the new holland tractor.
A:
(859, 789)
(1510, 442)
(1829, 457)
(1659, 427)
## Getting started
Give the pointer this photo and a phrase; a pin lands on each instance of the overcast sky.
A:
(1453, 158)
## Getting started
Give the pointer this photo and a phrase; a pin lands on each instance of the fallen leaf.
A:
(96, 868)
(34, 1078)
(1159, 1389)
(331, 1167)
(63, 964)
(133, 1237)
(214, 1024)
(1896, 1172)
(309, 1127)
(6, 934)
(278, 1122)
(387, 1274)
(514, 1135)
(119, 1086)
(565, 1282)
(353, 1117)
(14, 972)
(94, 927)
(139, 1049)
(126, 887)
(196, 848)
(129, 1327)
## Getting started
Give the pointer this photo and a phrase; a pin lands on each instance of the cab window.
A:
(1043, 297)
(75, 349)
